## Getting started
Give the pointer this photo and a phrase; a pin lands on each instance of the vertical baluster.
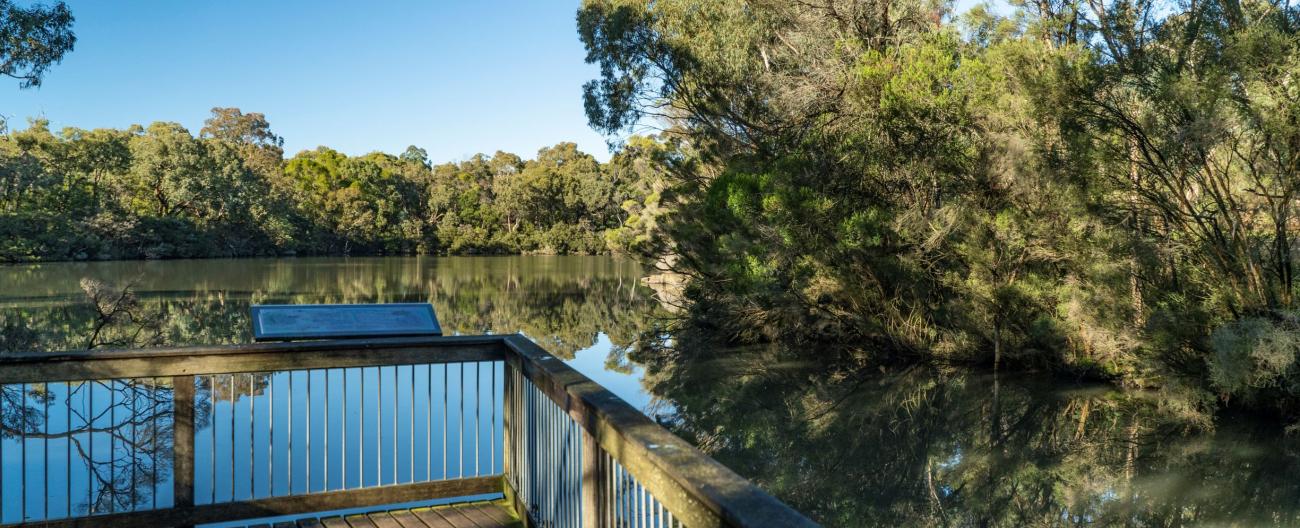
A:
(153, 443)
(445, 411)
(212, 426)
(132, 392)
(45, 454)
(395, 405)
(67, 392)
(379, 432)
(547, 451)
(325, 449)
(492, 423)
(343, 435)
(557, 461)
(112, 449)
(477, 407)
(460, 457)
(410, 425)
(270, 434)
(232, 438)
(3, 397)
(361, 434)
(289, 447)
(428, 427)
(307, 465)
(252, 438)
(183, 437)
(552, 452)
(90, 439)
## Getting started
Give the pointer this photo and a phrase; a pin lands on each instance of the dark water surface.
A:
(908, 447)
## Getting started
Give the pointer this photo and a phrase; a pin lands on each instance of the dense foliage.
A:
(1105, 187)
(162, 192)
(33, 38)
(935, 446)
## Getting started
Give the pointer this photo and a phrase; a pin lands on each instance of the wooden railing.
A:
(518, 421)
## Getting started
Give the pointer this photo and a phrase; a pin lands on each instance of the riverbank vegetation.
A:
(1100, 188)
(163, 192)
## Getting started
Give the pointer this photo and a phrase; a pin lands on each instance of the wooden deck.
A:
(471, 515)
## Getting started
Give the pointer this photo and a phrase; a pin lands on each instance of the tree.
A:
(32, 39)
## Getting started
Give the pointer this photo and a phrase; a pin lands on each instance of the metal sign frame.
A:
(346, 324)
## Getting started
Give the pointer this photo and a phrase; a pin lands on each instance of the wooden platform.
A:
(472, 515)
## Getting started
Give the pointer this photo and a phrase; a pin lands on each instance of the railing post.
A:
(510, 430)
(593, 484)
(183, 442)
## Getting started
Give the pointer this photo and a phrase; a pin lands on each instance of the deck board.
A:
(359, 521)
(455, 517)
(384, 520)
(407, 519)
(476, 515)
(432, 519)
(465, 515)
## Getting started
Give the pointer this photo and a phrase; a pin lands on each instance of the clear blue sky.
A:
(453, 77)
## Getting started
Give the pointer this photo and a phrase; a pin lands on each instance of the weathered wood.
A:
(508, 426)
(334, 522)
(593, 484)
(430, 518)
(183, 441)
(407, 519)
(383, 520)
(359, 521)
(36, 367)
(475, 515)
(455, 517)
(277, 506)
(699, 491)
(497, 511)
(516, 504)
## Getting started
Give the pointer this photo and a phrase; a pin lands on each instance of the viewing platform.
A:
(466, 431)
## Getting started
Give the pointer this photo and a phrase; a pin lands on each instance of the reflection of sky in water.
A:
(591, 363)
(569, 299)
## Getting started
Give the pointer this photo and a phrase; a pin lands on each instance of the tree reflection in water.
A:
(124, 448)
(562, 302)
(927, 446)
(85, 447)
(851, 447)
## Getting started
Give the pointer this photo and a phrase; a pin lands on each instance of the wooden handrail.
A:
(40, 367)
(696, 489)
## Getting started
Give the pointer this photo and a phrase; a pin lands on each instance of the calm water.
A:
(907, 447)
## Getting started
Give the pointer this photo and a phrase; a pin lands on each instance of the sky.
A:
(453, 77)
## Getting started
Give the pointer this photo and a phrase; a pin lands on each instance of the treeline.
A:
(1105, 187)
(162, 192)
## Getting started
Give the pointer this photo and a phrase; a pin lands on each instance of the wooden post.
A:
(183, 442)
(593, 484)
(510, 430)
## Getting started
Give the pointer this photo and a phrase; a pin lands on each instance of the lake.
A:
(862, 446)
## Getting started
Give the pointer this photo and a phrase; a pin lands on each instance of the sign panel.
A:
(321, 321)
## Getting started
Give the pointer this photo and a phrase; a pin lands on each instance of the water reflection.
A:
(926, 446)
(81, 448)
(851, 446)
(564, 303)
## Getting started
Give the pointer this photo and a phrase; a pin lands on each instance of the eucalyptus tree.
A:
(32, 39)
